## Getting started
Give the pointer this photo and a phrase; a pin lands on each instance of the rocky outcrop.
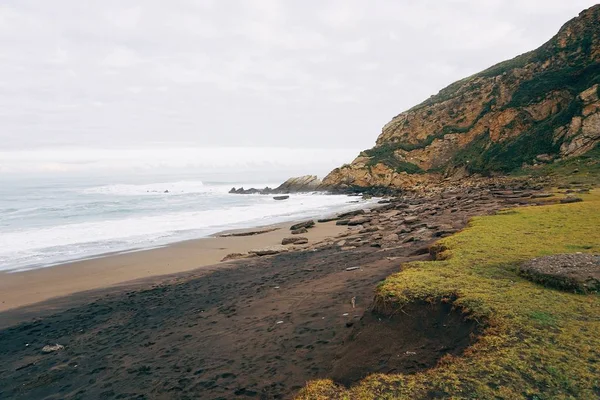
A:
(536, 108)
(306, 183)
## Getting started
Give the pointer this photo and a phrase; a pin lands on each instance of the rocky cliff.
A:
(536, 108)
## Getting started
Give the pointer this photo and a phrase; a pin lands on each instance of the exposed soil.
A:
(405, 341)
(259, 328)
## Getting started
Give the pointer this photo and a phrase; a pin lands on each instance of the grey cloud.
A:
(244, 73)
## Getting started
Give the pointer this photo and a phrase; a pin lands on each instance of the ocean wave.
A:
(60, 243)
(178, 187)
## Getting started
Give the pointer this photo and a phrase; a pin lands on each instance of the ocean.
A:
(46, 221)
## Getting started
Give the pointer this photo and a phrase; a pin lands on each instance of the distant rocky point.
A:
(301, 184)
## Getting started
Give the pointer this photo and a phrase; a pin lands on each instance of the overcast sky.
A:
(322, 74)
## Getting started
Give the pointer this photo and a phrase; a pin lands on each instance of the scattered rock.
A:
(342, 222)
(299, 231)
(571, 199)
(323, 220)
(358, 221)
(541, 195)
(52, 348)
(351, 214)
(234, 256)
(268, 251)
(570, 272)
(304, 224)
(411, 220)
(294, 240)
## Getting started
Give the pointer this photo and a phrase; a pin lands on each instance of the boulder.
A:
(294, 240)
(281, 197)
(304, 224)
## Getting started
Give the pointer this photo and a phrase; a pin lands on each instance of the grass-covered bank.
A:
(539, 343)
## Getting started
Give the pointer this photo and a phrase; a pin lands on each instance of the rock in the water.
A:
(571, 199)
(299, 231)
(304, 224)
(571, 272)
(52, 348)
(294, 240)
(306, 183)
(281, 197)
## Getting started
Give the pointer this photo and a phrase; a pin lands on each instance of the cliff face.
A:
(538, 107)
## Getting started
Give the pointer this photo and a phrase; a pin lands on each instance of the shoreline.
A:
(28, 287)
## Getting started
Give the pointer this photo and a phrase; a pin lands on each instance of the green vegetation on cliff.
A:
(538, 343)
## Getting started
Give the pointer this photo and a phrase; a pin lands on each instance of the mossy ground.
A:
(538, 343)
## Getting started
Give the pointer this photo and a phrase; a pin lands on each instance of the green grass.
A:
(538, 343)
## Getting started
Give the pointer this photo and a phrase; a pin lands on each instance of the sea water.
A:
(47, 221)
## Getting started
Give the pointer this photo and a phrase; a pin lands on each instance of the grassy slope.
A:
(539, 344)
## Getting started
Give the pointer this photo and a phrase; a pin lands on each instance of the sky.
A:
(324, 74)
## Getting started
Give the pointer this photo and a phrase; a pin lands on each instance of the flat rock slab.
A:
(294, 240)
(570, 272)
(304, 224)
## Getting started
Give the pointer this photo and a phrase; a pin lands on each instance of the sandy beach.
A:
(28, 287)
(258, 327)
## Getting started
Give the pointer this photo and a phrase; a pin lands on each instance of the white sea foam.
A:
(153, 222)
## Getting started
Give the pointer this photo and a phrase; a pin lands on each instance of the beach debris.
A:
(410, 353)
(345, 314)
(281, 197)
(304, 224)
(294, 240)
(352, 268)
(276, 287)
(52, 348)
(279, 322)
(353, 301)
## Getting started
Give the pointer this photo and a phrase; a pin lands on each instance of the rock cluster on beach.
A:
(306, 183)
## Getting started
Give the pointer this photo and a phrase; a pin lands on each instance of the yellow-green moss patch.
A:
(538, 343)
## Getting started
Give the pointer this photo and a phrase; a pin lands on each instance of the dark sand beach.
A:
(254, 328)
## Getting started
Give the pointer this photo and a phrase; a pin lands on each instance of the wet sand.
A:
(28, 287)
